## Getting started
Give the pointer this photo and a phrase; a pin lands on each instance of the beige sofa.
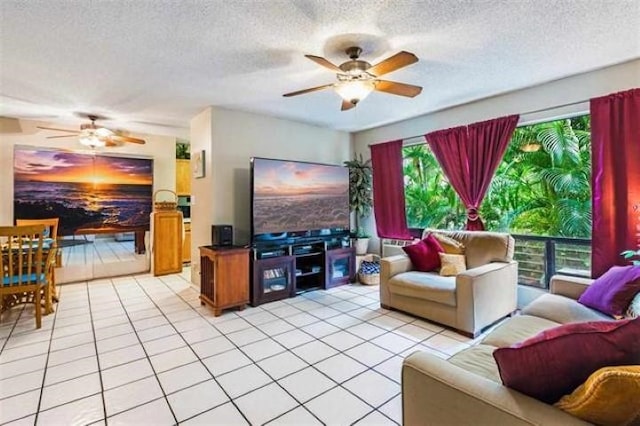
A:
(468, 302)
(466, 389)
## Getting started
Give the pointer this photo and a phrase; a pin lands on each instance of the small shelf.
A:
(273, 290)
(315, 253)
(307, 274)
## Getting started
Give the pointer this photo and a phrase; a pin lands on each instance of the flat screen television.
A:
(295, 199)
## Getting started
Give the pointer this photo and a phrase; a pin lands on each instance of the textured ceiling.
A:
(150, 66)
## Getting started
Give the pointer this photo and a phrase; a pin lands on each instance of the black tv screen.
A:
(293, 198)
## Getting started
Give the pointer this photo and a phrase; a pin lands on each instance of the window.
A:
(541, 188)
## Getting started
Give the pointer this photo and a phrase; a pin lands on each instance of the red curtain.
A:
(388, 190)
(469, 157)
(615, 179)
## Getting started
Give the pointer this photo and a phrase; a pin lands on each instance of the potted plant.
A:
(360, 198)
(182, 151)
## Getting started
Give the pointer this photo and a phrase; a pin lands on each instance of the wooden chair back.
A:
(21, 264)
(51, 224)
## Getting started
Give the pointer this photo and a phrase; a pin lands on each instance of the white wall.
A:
(201, 193)
(223, 196)
(549, 98)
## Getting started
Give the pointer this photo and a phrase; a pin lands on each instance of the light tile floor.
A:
(141, 350)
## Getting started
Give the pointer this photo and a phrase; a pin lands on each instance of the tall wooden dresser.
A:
(224, 277)
(166, 228)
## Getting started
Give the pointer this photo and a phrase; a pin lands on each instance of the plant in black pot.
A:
(360, 199)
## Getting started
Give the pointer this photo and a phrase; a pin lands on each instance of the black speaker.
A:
(221, 235)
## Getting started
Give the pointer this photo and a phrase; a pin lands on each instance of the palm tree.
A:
(431, 201)
(560, 175)
(543, 192)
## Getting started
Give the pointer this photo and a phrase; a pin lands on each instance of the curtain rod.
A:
(524, 113)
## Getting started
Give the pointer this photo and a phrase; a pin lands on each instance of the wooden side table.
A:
(224, 277)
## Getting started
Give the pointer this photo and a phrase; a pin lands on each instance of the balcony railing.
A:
(539, 258)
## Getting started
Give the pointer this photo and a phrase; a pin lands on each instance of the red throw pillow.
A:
(556, 361)
(424, 254)
(613, 292)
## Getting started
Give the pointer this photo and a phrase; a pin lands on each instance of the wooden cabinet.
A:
(224, 277)
(186, 244)
(167, 242)
(183, 177)
(283, 271)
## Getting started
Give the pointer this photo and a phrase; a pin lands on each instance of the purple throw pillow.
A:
(424, 254)
(613, 292)
(556, 361)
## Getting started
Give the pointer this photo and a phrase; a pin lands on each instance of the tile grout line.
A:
(13, 327)
(273, 381)
(338, 384)
(230, 399)
(186, 304)
(148, 358)
(46, 367)
(95, 345)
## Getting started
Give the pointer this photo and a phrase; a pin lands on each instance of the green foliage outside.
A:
(543, 192)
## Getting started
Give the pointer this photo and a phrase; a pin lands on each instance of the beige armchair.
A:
(468, 302)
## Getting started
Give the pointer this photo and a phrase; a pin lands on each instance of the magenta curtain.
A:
(469, 157)
(615, 179)
(388, 190)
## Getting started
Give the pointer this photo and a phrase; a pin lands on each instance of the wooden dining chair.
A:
(51, 233)
(23, 267)
(50, 242)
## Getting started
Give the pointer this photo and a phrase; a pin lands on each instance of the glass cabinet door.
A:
(272, 279)
(275, 279)
(340, 265)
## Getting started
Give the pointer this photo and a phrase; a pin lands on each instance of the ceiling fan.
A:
(94, 136)
(358, 78)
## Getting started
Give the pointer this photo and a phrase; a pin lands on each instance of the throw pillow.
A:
(612, 292)
(449, 245)
(452, 264)
(610, 396)
(556, 361)
(424, 254)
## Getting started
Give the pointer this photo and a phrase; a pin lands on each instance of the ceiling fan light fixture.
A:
(103, 133)
(92, 141)
(354, 91)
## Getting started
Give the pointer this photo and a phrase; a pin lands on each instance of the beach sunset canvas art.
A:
(291, 196)
(86, 191)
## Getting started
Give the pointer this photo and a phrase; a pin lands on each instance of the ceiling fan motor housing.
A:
(355, 67)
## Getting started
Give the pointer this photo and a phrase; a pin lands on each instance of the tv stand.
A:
(284, 270)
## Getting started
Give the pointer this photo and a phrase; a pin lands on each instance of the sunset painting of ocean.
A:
(85, 191)
(291, 196)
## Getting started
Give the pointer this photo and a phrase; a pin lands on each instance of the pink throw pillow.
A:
(556, 361)
(424, 254)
